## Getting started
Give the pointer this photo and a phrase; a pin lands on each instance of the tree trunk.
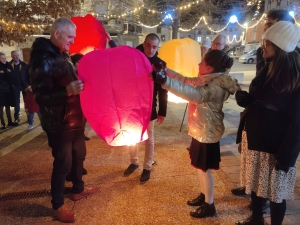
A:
(175, 27)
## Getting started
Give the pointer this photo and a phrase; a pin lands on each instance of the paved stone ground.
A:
(26, 162)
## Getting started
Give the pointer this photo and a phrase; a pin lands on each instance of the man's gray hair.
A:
(60, 24)
(221, 36)
(1, 53)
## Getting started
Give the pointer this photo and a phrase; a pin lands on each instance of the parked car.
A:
(249, 57)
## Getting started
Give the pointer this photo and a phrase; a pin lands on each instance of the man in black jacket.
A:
(149, 48)
(19, 73)
(57, 89)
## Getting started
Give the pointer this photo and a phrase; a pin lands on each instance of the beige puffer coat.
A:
(206, 95)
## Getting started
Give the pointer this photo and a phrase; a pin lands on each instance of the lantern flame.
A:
(87, 49)
(175, 99)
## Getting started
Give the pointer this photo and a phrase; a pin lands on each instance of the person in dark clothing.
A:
(56, 89)
(273, 16)
(269, 129)
(149, 48)
(19, 73)
(6, 91)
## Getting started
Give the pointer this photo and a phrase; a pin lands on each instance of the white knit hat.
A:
(284, 34)
(206, 43)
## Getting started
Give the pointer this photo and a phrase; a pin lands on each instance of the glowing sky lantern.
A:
(182, 56)
(90, 35)
(117, 96)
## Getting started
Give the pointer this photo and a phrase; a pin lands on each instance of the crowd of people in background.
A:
(268, 132)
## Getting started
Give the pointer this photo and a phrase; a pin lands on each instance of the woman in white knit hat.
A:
(269, 130)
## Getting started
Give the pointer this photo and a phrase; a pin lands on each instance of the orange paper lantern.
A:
(182, 56)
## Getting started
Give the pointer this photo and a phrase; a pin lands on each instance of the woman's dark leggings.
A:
(277, 212)
(277, 209)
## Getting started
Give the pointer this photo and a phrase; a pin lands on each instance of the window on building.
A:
(199, 39)
(230, 29)
(163, 37)
(253, 36)
(139, 29)
(130, 28)
(255, 28)
(158, 30)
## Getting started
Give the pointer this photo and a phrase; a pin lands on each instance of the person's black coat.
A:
(158, 90)
(19, 77)
(6, 89)
(272, 120)
(50, 72)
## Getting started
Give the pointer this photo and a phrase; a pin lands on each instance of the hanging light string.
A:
(24, 26)
(216, 31)
(246, 26)
(179, 8)
(187, 30)
(234, 38)
(41, 26)
(166, 17)
(295, 20)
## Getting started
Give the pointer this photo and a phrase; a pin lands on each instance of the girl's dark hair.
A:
(76, 58)
(284, 70)
(218, 60)
(280, 15)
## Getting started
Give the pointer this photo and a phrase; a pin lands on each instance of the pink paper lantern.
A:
(117, 96)
(90, 35)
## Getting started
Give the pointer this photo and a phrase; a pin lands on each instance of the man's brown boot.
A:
(86, 192)
(65, 215)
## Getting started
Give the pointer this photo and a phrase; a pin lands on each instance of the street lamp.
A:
(233, 19)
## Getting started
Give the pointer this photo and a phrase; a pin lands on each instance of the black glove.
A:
(243, 98)
(159, 76)
(280, 166)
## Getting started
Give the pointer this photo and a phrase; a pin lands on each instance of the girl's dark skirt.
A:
(205, 156)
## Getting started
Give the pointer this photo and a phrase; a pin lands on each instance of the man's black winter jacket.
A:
(50, 73)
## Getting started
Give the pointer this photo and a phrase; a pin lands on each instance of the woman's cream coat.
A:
(206, 95)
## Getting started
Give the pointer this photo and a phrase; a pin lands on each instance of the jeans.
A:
(149, 149)
(17, 91)
(68, 151)
(30, 117)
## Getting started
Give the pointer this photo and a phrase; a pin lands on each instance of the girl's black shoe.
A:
(205, 210)
(197, 201)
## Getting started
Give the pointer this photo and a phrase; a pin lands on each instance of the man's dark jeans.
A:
(17, 91)
(68, 150)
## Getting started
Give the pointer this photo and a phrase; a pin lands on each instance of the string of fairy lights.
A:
(167, 17)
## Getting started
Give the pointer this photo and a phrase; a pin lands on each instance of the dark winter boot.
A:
(3, 127)
(10, 122)
(257, 212)
(251, 221)
(205, 210)
(197, 201)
